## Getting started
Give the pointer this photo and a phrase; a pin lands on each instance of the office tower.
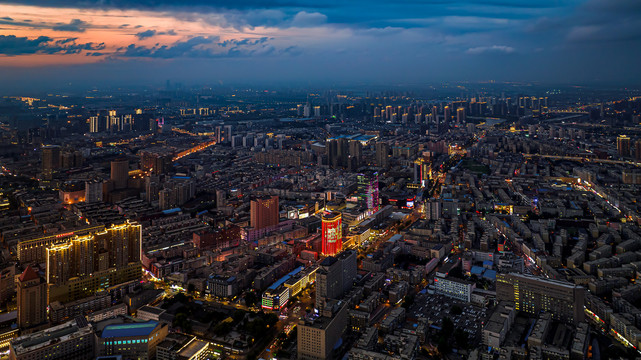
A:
(332, 236)
(318, 337)
(335, 277)
(460, 115)
(50, 160)
(447, 115)
(120, 173)
(307, 110)
(93, 191)
(264, 212)
(382, 154)
(532, 295)
(623, 145)
(299, 110)
(32, 299)
(100, 259)
(435, 114)
(317, 111)
(368, 189)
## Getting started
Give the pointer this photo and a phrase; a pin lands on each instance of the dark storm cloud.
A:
(151, 33)
(75, 25)
(205, 47)
(12, 45)
(146, 34)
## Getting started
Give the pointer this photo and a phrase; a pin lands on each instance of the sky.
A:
(85, 43)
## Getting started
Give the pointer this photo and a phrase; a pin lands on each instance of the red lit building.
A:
(264, 212)
(332, 233)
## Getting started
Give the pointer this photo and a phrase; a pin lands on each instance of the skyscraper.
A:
(460, 115)
(332, 233)
(120, 173)
(623, 145)
(355, 154)
(32, 299)
(264, 212)
(50, 160)
(435, 114)
(335, 277)
(447, 115)
(382, 154)
(82, 265)
(368, 189)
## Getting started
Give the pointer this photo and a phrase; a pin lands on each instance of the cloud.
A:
(308, 19)
(490, 49)
(146, 34)
(206, 47)
(12, 45)
(76, 25)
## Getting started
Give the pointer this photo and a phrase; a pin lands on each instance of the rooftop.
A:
(129, 330)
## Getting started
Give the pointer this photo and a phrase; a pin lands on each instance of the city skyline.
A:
(84, 44)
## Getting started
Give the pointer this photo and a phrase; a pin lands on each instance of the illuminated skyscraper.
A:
(460, 115)
(368, 189)
(82, 265)
(264, 212)
(447, 115)
(332, 233)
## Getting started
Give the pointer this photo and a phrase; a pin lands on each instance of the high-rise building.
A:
(368, 189)
(319, 336)
(332, 236)
(82, 265)
(447, 115)
(50, 160)
(264, 212)
(435, 114)
(637, 150)
(355, 154)
(532, 295)
(120, 173)
(93, 191)
(335, 277)
(460, 115)
(32, 299)
(623, 145)
(382, 154)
